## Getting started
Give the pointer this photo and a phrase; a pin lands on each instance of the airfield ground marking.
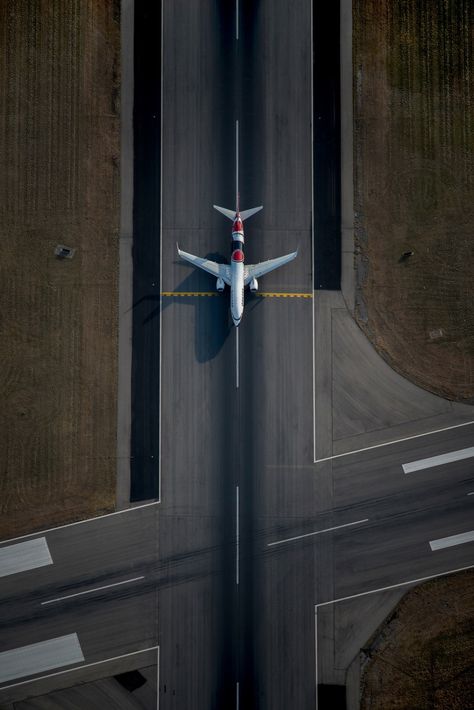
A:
(77, 668)
(395, 441)
(471, 493)
(237, 695)
(80, 522)
(318, 532)
(439, 460)
(158, 678)
(237, 536)
(236, 19)
(460, 539)
(91, 591)
(160, 368)
(262, 294)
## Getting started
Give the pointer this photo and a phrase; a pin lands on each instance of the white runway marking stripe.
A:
(38, 657)
(452, 540)
(237, 536)
(90, 591)
(24, 556)
(440, 460)
(318, 532)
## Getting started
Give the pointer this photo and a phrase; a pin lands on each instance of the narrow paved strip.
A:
(452, 540)
(24, 556)
(39, 657)
(318, 532)
(91, 591)
(438, 460)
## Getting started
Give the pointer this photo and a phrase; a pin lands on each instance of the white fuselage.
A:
(237, 271)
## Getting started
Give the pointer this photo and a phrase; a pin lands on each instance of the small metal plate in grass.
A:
(64, 252)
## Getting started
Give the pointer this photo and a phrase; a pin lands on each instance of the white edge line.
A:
(318, 532)
(161, 254)
(91, 591)
(80, 522)
(158, 678)
(237, 19)
(237, 536)
(316, 674)
(237, 164)
(77, 668)
(312, 235)
(395, 441)
(395, 586)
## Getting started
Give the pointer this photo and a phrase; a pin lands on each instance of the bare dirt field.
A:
(59, 184)
(414, 176)
(422, 658)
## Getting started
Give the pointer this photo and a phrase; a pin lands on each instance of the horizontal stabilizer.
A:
(227, 213)
(248, 213)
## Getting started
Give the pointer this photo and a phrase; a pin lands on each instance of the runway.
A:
(249, 534)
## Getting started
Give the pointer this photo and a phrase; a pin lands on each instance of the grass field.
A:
(414, 178)
(423, 656)
(59, 184)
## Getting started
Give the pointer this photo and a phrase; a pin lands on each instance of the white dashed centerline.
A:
(237, 536)
(91, 591)
(318, 532)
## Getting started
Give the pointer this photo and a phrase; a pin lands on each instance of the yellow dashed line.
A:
(263, 294)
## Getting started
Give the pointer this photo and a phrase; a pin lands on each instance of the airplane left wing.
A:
(257, 270)
(212, 267)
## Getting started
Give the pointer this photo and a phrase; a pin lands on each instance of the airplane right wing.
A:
(257, 270)
(212, 267)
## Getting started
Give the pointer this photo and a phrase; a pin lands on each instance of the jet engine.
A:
(253, 285)
(220, 285)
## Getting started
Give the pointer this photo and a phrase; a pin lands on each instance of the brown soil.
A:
(59, 184)
(414, 175)
(423, 656)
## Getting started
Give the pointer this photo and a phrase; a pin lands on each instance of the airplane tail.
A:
(230, 214)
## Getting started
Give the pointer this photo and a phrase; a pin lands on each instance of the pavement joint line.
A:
(91, 591)
(318, 532)
(79, 522)
(77, 668)
(395, 441)
(394, 586)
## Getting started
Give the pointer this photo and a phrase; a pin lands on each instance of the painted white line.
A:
(452, 540)
(318, 532)
(440, 460)
(237, 695)
(471, 493)
(237, 364)
(237, 536)
(24, 556)
(78, 668)
(312, 234)
(91, 591)
(79, 522)
(395, 441)
(236, 19)
(395, 586)
(43, 656)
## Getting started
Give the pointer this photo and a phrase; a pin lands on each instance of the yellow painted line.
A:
(284, 295)
(169, 294)
(263, 294)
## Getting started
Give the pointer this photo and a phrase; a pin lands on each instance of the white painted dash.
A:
(452, 540)
(91, 591)
(440, 460)
(237, 536)
(24, 556)
(318, 532)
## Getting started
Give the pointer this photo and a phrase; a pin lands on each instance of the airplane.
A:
(237, 275)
